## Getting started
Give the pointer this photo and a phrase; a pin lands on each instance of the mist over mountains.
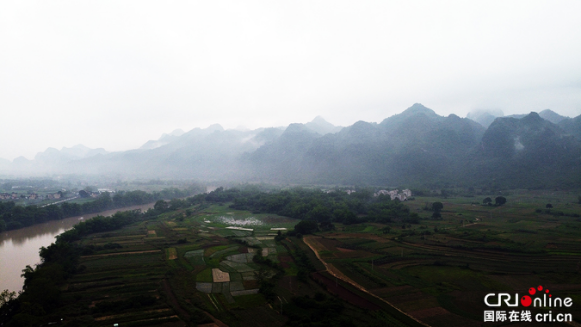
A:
(416, 147)
(486, 117)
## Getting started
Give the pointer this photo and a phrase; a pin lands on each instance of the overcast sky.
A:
(115, 74)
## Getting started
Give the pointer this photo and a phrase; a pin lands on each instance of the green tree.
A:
(437, 206)
(500, 200)
(319, 213)
(487, 200)
(345, 216)
(161, 205)
(6, 296)
(306, 227)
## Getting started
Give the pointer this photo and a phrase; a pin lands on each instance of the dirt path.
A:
(311, 242)
(117, 253)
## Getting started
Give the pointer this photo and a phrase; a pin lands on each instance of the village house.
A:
(56, 195)
(394, 194)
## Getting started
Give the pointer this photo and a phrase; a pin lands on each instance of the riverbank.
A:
(19, 247)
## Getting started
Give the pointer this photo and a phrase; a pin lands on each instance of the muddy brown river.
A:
(20, 247)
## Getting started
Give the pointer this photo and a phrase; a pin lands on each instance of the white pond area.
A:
(250, 221)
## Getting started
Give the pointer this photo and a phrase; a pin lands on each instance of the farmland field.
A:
(217, 264)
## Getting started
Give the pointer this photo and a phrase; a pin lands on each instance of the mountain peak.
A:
(321, 126)
(533, 117)
(319, 120)
(418, 107)
(214, 127)
(551, 116)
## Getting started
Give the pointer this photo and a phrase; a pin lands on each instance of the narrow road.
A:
(335, 272)
(65, 200)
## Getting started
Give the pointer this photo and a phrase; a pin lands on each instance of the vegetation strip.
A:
(118, 253)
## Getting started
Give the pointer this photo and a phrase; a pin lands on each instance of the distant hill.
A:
(484, 117)
(552, 116)
(528, 152)
(415, 147)
(416, 144)
(572, 126)
(321, 126)
(163, 140)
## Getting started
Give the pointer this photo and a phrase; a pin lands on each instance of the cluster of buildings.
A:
(31, 196)
(403, 196)
(84, 193)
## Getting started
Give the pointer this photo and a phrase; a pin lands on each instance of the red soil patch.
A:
(331, 245)
(338, 249)
(344, 293)
(250, 284)
(243, 249)
(285, 260)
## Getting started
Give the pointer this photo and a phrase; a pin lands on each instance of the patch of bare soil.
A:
(218, 276)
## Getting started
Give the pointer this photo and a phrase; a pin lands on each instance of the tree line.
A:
(316, 205)
(14, 216)
(59, 261)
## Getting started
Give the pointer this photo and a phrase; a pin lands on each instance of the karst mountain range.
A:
(415, 147)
